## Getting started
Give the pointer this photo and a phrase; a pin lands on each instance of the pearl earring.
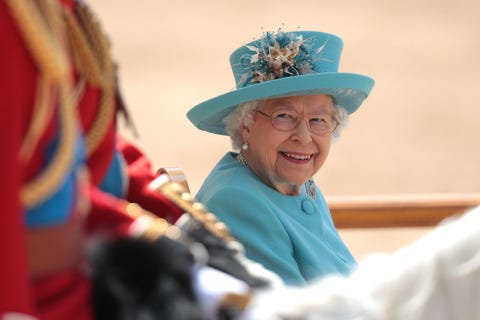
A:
(245, 146)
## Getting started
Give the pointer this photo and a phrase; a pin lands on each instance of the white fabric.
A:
(211, 286)
(435, 278)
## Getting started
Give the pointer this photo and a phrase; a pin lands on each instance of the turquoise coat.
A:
(293, 236)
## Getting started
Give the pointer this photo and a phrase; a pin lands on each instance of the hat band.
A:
(249, 79)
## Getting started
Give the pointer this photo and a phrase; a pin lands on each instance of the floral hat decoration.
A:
(284, 64)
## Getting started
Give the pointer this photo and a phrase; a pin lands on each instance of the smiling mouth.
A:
(297, 156)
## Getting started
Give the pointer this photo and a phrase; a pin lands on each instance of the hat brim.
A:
(348, 89)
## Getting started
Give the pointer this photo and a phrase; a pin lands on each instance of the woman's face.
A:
(285, 160)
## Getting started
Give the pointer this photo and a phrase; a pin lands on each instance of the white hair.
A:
(243, 116)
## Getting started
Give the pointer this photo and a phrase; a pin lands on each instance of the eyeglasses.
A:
(321, 124)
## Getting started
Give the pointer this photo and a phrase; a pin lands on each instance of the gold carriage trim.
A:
(177, 193)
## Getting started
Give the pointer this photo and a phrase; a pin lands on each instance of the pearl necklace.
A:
(240, 158)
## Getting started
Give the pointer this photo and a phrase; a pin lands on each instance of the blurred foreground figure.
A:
(84, 233)
(435, 278)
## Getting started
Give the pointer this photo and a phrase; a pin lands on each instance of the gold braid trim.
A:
(42, 112)
(44, 185)
(45, 48)
(49, 57)
(91, 50)
(82, 52)
(53, 82)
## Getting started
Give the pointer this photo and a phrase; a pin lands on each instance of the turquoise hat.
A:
(284, 64)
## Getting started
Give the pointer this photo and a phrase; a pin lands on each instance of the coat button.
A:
(307, 206)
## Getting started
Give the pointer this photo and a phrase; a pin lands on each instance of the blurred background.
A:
(418, 132)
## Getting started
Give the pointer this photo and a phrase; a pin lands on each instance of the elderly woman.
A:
(289, 102)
